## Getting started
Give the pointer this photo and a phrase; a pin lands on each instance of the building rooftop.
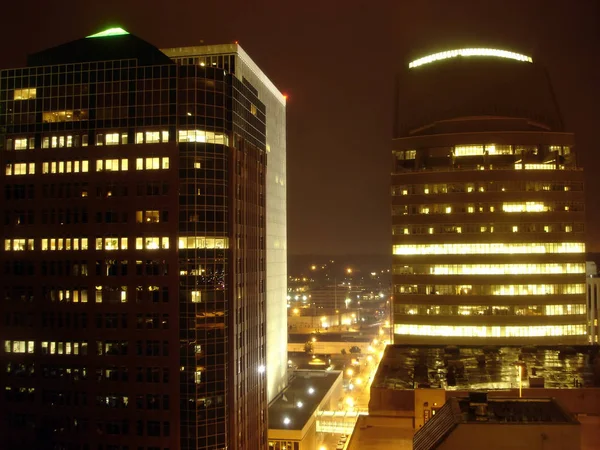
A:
(299, 401)
(483, 368)
(478, 409)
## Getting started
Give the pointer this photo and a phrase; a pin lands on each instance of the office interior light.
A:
(109, 32)
(469, 52)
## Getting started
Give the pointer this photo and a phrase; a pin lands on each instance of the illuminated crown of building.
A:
(109, 32)
(469, 52)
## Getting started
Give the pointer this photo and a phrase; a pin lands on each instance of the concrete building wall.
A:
(593, 310)
(495, 436)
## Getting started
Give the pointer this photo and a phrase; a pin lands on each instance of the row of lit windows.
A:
(68, 295)
(489, 331)
(64, 348)
(489, 289)
(19, 169)
(487, 186)
(483, 150)
(18, 245)
(488, 228)
(489, 269)
(203, 136)
(64, 141)
(109, 243)
(203, 242)
(149, 163)
(65, 167)
(108, 294)
(47, 348)
(19, 346)
(59, 244)
(116, 138)
(105, 294)
(512, 207)
(112, 165)
(485, 310)
(488, 249)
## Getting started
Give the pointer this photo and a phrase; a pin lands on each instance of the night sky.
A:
(337, 60)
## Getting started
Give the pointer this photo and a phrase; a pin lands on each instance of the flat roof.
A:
(299, 401)
(301, 338)
(221, 49)
(483, 368)
(513, 410)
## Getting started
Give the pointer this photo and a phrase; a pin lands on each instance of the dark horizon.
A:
(338, 66)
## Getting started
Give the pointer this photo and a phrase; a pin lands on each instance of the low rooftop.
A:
(299, 401)
(462, 410)
(484, 368)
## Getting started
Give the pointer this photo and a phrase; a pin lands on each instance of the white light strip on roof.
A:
(469, 52)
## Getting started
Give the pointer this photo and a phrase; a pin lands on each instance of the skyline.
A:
(338, 67)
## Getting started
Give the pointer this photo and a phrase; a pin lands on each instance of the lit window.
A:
(203, 242)
(139, 138)
(124, 138)
(202, 136)
(468, 150)
(112, 139)
(165, 136)
(196, 297)
(488, 248)
(64, 116)
(20, 144)
(152, 137)
(25, 94)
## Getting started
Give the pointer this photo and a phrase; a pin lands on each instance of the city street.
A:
(359, 371)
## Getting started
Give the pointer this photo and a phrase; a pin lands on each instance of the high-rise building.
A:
(234, 59)
(487, 205)
(144, 246)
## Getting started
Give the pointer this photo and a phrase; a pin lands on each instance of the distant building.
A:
(487, 205)
(498, 424)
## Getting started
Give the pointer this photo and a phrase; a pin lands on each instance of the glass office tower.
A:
(135, 255)
(487, 205)
(234, 59)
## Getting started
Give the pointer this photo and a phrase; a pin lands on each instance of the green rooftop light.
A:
(109, 32)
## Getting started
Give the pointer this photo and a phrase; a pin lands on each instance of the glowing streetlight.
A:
(313, 267)
(286, 420)
(350, 402)
(349, 372)
(349, 270)
(314, 339)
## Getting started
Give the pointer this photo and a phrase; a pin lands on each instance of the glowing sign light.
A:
(109, 32)
(469, 52)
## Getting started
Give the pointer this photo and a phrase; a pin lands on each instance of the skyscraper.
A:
(144, 239)
(487, 205)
